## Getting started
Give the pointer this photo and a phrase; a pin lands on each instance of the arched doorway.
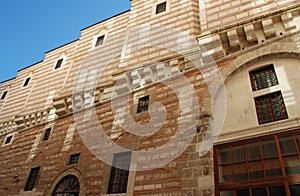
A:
(67, 186)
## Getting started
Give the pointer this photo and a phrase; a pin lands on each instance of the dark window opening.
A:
(263, 78)
(47, 134)
(161, 7)
(59, 63)
(26, 82)
(68, 186)
(100, 40)
(74, 159)
(270, 108)
(119, 173)
(3, 95)
(8, 139)
(143, 104)
(32, 179)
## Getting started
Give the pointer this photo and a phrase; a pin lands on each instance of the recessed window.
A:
(100, 40)
(270, 107)
(263, 78)
(261, 165)
(3, 95)
(143, 104)
(68, 186)
(162, 7)
(32, 179)
(26, 82)
(58, 63)
(47, 134)
(74, 158)
(119, 173)
(8, 139)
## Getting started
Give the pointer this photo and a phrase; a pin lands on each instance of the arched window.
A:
(67, 186)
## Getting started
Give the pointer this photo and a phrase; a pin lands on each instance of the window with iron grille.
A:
(26, 82)
(99, 40)
(58, 63)
(32, 179)
(74, 159)
(161, 7)
(263, 78)
(270, 108)
(68, 186)
(119, 173)
(143, 104)
(47, 134)
(8, 139)
(3, 95)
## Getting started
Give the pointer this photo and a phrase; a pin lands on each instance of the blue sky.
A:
(30, 28)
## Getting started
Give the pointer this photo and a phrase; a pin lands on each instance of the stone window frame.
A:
(266, 90)
(70, 171)
(130, 180)
(11, 136)
(62, 58)
(74, 159)
(4, 94)
(67, 185)
(156, 3)
(140, 109)
(27, 81)
(119, 173)
(269, 98)
(95, 39)
(29, 185)
(47, 134)
(270, 74)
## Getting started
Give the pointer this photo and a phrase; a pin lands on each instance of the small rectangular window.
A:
(143, 104)
(3, 95)
(119, 173)
(59, 63)
(74, 159)
(270, 108)
(8, 139)
(99, 40)
(263, 78)
(32, 179)
(161, 7)
(47, 134)
(26, 82)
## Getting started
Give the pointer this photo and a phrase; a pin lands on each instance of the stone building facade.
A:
(173, 97)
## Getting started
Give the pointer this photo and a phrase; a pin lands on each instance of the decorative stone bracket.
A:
(78, 102)
(228, 40)
(140, 77)
(7, 127)
(31, 120)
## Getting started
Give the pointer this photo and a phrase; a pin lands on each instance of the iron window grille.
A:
(263, 78)
(270, 107)
(119, 173)
(74, 158)
(161, 7)
(143, 104)
(32, 179)
(68, 186)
